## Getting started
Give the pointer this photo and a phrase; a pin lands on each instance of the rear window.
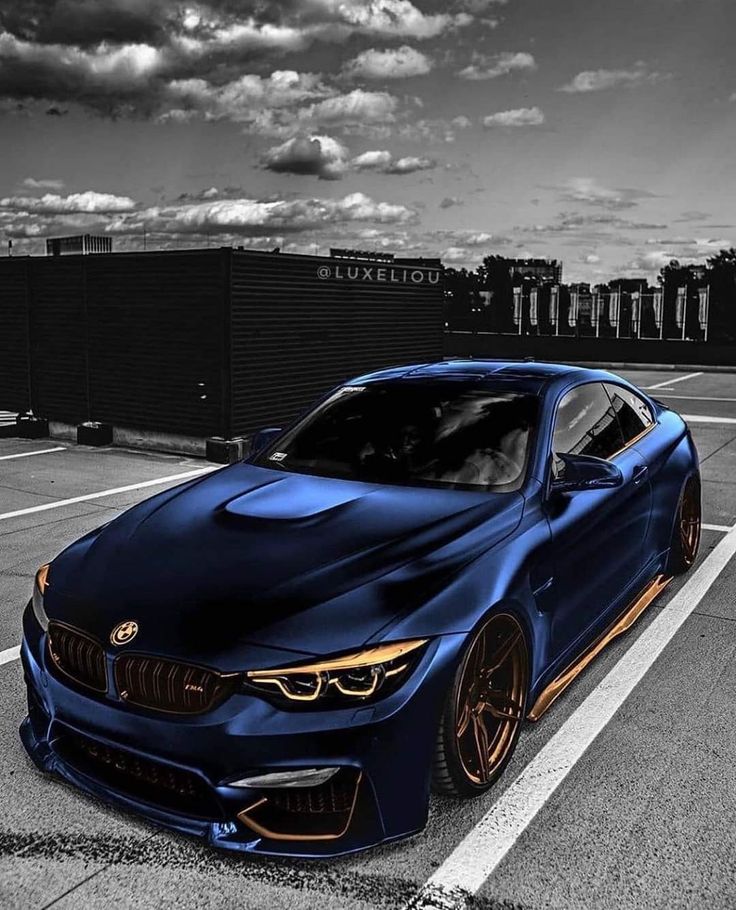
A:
(634, 414)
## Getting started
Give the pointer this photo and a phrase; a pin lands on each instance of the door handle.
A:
(640, 473)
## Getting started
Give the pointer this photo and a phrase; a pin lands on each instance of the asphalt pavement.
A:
(642, 818)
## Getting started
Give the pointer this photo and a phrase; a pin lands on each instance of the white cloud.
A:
(397, 63)
(253, 217)
(456, 254)
(592, 259)
(461, 122)
(712, 244)
(281, 105)
(358, 105)
(113, 61)
(599, 80)
(485, 67)
(480, 238)
(523, 116)
(237, 100)
(385, 163)
(432, 129)
(44, 184)
(204, 37)
(652, 262)
(127, 57)
(320, 156)
(588, 190)
(393, 18)
(88, 202)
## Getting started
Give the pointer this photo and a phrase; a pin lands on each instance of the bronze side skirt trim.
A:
(624, 622)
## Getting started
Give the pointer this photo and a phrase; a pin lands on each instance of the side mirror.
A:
(585, 472)
(263, 438)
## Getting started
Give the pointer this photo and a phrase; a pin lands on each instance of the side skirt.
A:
(624, 622)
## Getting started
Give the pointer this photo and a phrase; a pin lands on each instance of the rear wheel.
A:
(686, 532)
(484, 710)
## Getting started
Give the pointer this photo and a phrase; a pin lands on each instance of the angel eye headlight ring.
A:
(340, 680)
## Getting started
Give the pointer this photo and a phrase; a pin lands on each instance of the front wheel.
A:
(686, 531)
(484, 709)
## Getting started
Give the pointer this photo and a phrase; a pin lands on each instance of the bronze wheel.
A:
(686, 534)
(484, 710)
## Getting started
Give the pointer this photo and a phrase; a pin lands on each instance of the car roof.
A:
(527, 373)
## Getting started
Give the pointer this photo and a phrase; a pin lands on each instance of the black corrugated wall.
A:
(203, 342)
(15, 392)
(133, 339)
(57, 338)
(156, 328)
(295, 334)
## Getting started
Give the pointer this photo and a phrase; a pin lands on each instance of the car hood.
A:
(251, 556)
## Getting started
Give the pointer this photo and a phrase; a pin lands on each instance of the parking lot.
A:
(641, 815)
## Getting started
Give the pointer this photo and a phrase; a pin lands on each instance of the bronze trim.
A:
(476, 697)
(633, 441)
(275, 835)
(624, 622)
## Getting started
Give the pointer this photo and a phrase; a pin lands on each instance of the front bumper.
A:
(174, 770)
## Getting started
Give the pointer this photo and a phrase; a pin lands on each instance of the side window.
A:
(633, 412)
(586, 424)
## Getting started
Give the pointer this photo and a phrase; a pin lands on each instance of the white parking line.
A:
(477, 855)
(37, 452)
(669, 382)
(705, 418)
(724, 529)
(132, 486)
(9, 654)
(696, 398)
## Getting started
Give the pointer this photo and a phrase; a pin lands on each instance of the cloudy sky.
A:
(602, 133)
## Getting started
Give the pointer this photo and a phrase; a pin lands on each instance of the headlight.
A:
(350, 678)
(39, 588)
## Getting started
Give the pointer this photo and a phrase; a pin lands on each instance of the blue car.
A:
(286, 655)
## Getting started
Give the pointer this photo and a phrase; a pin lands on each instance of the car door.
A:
(597, 536)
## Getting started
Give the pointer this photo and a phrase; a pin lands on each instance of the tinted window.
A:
(586, 424)
(426, 434)
(633, 412)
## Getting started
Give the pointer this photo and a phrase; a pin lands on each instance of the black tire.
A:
(686, 529)
(501, 686)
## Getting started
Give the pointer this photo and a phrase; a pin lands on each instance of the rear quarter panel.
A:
(672, 457)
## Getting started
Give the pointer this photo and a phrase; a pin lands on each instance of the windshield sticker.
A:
(277, 456)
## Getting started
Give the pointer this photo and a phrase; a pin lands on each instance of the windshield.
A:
(426, 434)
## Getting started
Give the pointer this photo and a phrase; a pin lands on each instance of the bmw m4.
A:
(286, 655)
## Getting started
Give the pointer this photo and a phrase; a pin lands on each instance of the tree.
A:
(495, 276)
